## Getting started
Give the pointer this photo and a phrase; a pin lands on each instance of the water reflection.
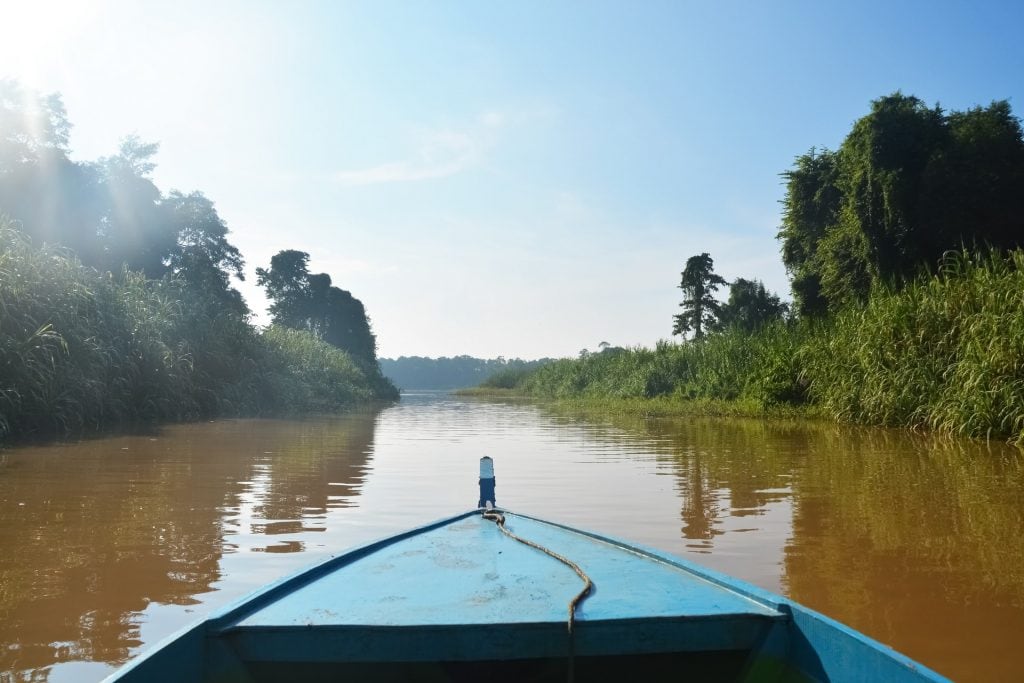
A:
(921, 541)
(110, 544)
(916, 540)
(95, 534)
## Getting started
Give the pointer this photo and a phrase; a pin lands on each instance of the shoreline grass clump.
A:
(945, 352)
(84, 350)
(759, 368)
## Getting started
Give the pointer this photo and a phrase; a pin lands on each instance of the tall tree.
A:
(347, 326)
(750, 306)
(809, 209)
(287, 285)
(32, 126)
(203, 257)
(303, 300)
(973, 191)
(908, 183)
(108, 212)
(700, 308)
(883, 162)
(53, 199)
(134, 230)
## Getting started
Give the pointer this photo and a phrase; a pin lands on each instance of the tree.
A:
(810, 208)
(203, 257)
(308, 301)
(32, 127)
(347, 326)
(54, 200)
(108, 212)
(750, 306)
(700, 308)
(287, 283)
(882, 166)
(908, 183)
(134, 229)
(973, 192)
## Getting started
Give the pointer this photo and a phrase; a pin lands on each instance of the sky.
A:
(518, 179)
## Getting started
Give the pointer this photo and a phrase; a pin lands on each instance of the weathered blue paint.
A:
(459, 590)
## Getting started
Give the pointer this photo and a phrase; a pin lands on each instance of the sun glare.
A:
(34, 35)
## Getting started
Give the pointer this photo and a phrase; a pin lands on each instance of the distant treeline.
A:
(416, 372)
(904, 250)
(116, 301)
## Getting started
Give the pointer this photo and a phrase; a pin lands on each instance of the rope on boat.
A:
(588, 585)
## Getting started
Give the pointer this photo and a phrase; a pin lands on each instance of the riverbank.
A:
(658, 406)
(944, 353)
(85, 351)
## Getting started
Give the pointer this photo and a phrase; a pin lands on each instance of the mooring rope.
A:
(588, 585)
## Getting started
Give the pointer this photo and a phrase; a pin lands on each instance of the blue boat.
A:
(490, 595)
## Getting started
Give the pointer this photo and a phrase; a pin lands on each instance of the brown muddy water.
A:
(109, 545)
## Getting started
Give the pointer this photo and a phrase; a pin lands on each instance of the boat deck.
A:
(457, 600)
(415, 597)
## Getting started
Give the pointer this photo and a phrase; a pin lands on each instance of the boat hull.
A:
(460, 600)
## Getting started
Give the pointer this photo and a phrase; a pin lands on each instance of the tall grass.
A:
(944, 353)
(305, 372)
(509, 378)
(80, 349)
(733, 365)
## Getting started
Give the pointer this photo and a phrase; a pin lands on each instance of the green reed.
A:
(732, 365)
(944, 353)
(509, 378)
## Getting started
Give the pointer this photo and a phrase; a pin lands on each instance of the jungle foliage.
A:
(943, 352)
(304, 301)
(108, 212)
(83, 350)
(908, 183)
(699, 283)
(117, 304)
(904, 252)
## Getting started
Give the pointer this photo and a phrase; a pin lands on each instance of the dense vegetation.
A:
(942, 353)
(116, 302)
(908, 184)
(904, 251)
(82, 349)
(416, 372)
(758, 369)
(304, 301)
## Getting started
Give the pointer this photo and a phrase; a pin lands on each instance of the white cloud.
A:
(441, 153)
(404, 171)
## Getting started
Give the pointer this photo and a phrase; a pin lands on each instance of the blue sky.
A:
(517, 179)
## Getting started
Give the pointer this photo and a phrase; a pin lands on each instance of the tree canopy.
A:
(306, 301)
(750, 306)
(909, 183)
(109, 212)
(203, 257)
(699, 283)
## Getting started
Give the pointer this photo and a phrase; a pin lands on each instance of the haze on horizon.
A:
(523, 180)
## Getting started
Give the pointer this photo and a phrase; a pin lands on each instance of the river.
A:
(107, 545)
